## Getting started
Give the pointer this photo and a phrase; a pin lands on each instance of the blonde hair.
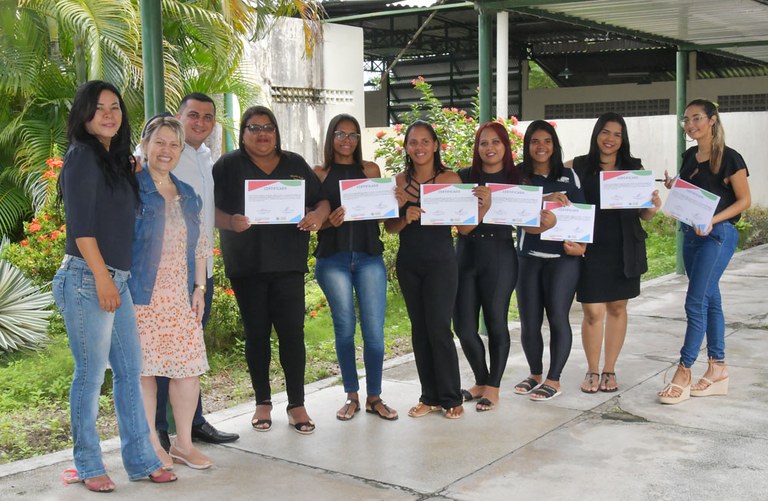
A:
(154, 125)
(718, 133)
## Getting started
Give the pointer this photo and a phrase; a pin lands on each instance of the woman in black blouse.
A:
(549, 270)
(615, 260)
(350, 265)
(266, 263)
(713, 166)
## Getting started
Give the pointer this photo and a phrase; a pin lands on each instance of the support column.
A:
(682, 98)
(229, 111)
(485, 22)
(152, 56)
(502, 64)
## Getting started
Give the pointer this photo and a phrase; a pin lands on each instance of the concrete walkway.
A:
(605, 446)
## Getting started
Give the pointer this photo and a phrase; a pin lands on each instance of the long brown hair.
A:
(328, 153)
(718, 133)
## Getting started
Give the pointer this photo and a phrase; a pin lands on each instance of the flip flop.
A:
(604, 378)
(421, 409)
(544, 392)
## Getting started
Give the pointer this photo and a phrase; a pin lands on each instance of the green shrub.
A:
(753, 227)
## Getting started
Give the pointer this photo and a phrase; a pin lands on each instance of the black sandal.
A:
(544, 392)
(370, 408)
(299, 427)
(604, 378)
(526, 386)
(484, 405)
(350, 402)
(258, 424)
(589, 377)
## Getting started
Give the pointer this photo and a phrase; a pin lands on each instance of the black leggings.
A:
(487, 277)
(429, 290)
(268, 299)
(546, 284)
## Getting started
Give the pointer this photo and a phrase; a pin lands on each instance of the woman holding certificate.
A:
(349, 265)
(426, 271)
(714, 167)
(615, 260)
(487, 264)
(266, 263)
(549, 270)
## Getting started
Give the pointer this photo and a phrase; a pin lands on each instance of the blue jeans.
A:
(705, 261)
(338, 275)
(98, 338)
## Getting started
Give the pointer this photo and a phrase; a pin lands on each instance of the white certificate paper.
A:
(626, 189)
(274, 202)
(690, 204)
(518, 205)
(368, 198)
(448, 204)
(575, 222)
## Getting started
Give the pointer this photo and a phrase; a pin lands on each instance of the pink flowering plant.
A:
(455, 128)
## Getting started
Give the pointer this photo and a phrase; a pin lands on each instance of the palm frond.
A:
(24, 311)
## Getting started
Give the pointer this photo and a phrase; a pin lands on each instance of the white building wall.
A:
(306, 93)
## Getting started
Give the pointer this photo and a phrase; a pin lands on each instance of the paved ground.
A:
(603, 447)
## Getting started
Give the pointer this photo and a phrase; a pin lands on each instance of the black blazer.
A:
(635, 259)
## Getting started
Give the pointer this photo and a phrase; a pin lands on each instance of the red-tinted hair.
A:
(512, 175)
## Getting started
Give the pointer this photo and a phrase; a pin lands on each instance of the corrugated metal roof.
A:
(738, 27)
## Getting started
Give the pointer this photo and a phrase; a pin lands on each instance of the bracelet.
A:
(201, 287)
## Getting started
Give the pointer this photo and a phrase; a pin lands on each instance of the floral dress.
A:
(171, 338)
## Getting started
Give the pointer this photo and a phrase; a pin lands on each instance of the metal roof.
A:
(735, 27)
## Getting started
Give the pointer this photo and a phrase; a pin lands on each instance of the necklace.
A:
(160, 183)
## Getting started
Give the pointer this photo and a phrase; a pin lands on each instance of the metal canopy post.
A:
(681, 73)
(152, 56)
(485, 37)
(502, 64)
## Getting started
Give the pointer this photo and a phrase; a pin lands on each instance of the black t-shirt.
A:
(261, 248)
(93, 209)
(529, 244)
(699, 174)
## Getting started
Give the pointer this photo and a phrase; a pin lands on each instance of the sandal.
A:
(303, 427)
(605, 378)
(665, 395)
(526, 386)
(262, 424)
(163, 478)
(484, 405)
(454, 412)
(371, 408)
(544, 392)
(102, 483)
(592, 386)
(712, 387)
(345, 416)
(468, 396)
(422, 409)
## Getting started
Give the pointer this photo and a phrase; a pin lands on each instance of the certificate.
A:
(626, 189)
(518, 205)
(368, 198)
(274, 202)
(448, 204)
(690, 204)
(575, 222)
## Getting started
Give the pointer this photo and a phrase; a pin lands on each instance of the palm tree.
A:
(48, 48)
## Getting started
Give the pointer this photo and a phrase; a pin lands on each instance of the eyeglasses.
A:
(695, 119)
(341, 135)
(256, 128)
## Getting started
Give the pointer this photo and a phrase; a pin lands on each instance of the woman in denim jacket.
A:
(99, 191)
(168, 287)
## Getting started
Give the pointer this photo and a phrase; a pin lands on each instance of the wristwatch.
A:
(201, 287)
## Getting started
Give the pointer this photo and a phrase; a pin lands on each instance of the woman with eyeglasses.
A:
(266, 263)
(350, 266)
(614, 262)
(713, 166)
